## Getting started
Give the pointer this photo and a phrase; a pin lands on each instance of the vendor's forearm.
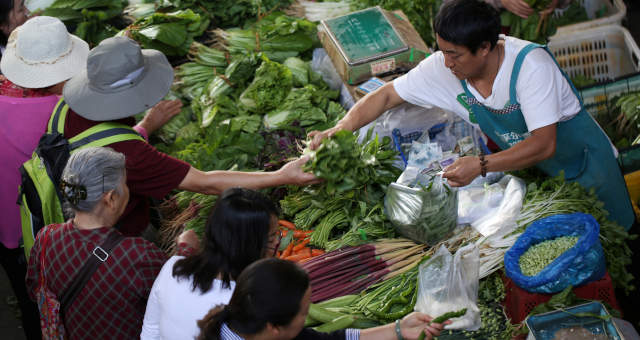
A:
(370, 107)
(215, 182)
(541, 145)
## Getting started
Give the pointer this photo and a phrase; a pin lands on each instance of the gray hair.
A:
(89, 173)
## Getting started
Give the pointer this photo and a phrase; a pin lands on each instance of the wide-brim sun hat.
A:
(120, 80)
(41, 53)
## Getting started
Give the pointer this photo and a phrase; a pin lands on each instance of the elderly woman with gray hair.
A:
(110, 304)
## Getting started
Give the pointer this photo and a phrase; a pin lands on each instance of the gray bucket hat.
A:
(120, 80)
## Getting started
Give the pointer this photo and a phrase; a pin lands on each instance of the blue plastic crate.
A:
(544, 326)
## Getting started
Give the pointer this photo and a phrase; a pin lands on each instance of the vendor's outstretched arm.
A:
(539, 146)
(365, 111)
(215, 182)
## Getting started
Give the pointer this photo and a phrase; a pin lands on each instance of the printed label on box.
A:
(383, 66)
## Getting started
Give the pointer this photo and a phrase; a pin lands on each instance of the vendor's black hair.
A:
(236, 235)
(268, 291)
(5, 8)
(469, 23)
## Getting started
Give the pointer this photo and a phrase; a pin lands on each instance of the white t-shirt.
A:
(174, 308)
(544, 95)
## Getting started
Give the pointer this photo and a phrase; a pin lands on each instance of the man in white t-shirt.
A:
(515, 92)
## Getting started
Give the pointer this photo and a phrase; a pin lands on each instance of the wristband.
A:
(398, 333)
(483, 165)
(142, 131)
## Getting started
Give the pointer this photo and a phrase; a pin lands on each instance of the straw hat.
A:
(120, 80)
(41, 53)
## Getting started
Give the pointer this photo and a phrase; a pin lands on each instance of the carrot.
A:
(302, 233)
(301, 245)
(316, 252)
(287, 251)
(287, 224)
(278, 253)
(284, 233)
(298, 257)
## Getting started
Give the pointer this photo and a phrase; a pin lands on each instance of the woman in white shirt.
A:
(241, 229)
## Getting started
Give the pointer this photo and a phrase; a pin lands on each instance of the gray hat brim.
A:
(96, 105)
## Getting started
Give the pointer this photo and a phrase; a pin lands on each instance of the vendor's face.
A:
(17, 16)
(459, 59)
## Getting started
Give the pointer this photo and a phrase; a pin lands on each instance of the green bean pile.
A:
(538, 256)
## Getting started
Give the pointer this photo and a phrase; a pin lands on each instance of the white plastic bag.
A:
(491, 208)
(449, 283)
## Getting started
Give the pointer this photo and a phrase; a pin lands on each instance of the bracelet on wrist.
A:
(398, 332)
(483, 165)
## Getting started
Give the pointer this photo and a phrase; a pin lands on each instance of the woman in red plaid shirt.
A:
(112, 303)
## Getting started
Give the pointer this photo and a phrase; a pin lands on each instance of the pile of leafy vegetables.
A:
(171, 33)
(419, 12)
(621, 122)
(231, 13)
(91, 20)
(538, 28)
(277, 35)
(347, 208)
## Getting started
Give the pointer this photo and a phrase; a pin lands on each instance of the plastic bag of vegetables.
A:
(555, 252)
(449, 283)
(426, 214)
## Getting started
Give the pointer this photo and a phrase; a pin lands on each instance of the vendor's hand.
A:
(415, 323)
(189, 238)
(463, 171)
(293, 174)
(318, 136)
(160, 114)
(517, 7)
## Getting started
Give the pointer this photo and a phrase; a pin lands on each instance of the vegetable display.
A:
(537, 27)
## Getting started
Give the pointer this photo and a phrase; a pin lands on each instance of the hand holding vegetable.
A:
(293, 174)
(318, 136)
(189, 238)
(415, 324)
(160, 114)
(462, 171)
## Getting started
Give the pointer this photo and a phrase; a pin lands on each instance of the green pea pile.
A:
(538, 256)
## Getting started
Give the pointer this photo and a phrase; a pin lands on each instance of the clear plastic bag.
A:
(449, 283)
(490, 208)
(425, 215)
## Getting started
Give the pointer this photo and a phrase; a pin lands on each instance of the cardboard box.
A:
(371, 42)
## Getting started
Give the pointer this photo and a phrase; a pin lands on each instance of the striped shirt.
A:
(307, 333)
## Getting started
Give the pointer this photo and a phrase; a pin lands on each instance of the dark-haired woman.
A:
(241, 229)
(12, 14)
(271, 302)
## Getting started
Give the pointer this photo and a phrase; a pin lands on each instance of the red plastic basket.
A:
(518, 303)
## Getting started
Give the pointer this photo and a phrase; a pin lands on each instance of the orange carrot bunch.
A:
(297, 250)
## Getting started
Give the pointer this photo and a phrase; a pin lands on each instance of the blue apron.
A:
(583, 151)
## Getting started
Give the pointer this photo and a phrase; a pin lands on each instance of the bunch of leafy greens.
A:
(91, 20)
(346, 209)
(277, 35)
(171, 33)
(621, 121)
(419, 12)
(270, 86)
(231, 13)
(537, 28)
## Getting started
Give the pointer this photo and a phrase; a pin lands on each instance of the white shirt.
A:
(174, 308)
(544, 94)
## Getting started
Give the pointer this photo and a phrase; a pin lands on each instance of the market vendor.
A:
(517, 94)
(121, 80)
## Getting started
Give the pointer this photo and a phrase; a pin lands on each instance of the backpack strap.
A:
(104, 134)
(58, 117)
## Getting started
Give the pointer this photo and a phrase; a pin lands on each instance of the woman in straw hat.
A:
(40, 56)
(121, 80)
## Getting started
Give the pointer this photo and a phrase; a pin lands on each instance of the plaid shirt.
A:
(112, 304)
(9, 89)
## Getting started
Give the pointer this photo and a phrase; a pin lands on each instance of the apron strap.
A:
(516, 70)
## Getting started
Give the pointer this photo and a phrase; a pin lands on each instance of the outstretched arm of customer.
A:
(363, 112)
(539, 146)
(215, 182)
(411, 326)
